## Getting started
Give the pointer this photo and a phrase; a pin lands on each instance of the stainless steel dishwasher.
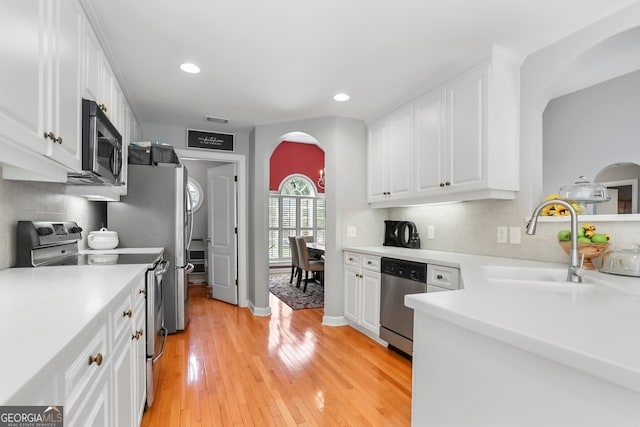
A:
(399, 278)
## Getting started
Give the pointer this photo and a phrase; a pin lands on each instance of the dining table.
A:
(316, 250)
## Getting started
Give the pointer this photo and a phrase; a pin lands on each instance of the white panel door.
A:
(222, 235)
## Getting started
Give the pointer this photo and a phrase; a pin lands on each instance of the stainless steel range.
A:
(50, 243)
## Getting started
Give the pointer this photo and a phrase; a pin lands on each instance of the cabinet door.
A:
(66, 75)
(139, 359)
(430, 143)
(123, 381)
(24, 48)
(352, 293)
(109, 91)
(370, 299)
(92, 59)
(466, 136)
(400, 154)
(95, 409)
(377, 161)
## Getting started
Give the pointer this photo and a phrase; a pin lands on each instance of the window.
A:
(195, 191)
(296, 210)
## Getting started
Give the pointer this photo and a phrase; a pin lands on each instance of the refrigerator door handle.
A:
(190, 221)
(188, 268)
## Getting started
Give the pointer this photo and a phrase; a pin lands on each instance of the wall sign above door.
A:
(209, 140)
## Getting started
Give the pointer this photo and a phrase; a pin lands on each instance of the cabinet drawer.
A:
(80, 375)
(444, 277)
(138, 296)
(371, 263)
(351, 258)
(121, 318)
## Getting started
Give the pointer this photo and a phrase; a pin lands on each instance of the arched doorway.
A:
(296, 201)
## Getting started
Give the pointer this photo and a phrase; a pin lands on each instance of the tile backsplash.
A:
(471, 227)
(41, 201)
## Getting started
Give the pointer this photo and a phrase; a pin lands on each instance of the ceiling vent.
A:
(216, 119)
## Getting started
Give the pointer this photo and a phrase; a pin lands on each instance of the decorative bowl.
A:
(103, 239)
(589, 250)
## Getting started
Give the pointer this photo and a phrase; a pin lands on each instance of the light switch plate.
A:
(351, 231)
(431, 232)
(501, 234)
(514, 235)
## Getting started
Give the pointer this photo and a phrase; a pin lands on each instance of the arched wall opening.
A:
(301, 211)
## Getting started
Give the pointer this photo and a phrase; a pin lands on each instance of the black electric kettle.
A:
(402, 234)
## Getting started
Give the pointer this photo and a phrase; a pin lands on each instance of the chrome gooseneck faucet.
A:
(573, 275)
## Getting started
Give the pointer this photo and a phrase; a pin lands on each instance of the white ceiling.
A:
(281, 60)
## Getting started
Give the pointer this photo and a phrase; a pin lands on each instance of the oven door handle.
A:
(164, 266)
(165, 332)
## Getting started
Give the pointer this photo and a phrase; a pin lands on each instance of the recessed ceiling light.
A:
(341, 97)
(190, 68)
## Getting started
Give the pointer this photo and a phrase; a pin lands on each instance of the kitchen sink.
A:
(554, 279)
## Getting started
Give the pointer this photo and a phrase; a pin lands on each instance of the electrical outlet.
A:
(431, 232)
(351, 231)
(514, 235)
(501, 234)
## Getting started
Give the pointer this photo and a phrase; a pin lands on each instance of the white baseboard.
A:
(334, 321)
(259, 311)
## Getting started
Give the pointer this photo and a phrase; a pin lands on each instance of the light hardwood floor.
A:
(230, 368)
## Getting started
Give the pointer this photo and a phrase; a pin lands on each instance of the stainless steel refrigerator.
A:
(156, 212)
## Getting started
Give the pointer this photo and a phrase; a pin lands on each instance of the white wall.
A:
(41, 202)
(344, 143)
(590, 129)
(177, 136)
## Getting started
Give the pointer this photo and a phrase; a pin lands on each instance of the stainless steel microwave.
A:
(102, 158)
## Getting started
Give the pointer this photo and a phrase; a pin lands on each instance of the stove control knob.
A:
(75, 229)
(44, 231)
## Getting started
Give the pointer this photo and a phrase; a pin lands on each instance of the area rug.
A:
(294, 297)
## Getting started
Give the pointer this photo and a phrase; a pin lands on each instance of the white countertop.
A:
(592, 327)
(42, 309)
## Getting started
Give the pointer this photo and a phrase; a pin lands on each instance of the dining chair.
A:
(315, 266)
(296, 271)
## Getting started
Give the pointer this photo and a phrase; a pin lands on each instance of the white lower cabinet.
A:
(99, 377)
(139, 354)
(362, 291)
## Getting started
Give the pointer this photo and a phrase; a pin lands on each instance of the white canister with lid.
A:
(102, 239)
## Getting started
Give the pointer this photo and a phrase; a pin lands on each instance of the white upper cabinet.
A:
(464, 143)
(100, 83)
(66, 76)
(430, 151)
(40, 43)
(51, 60)
(390, 149)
